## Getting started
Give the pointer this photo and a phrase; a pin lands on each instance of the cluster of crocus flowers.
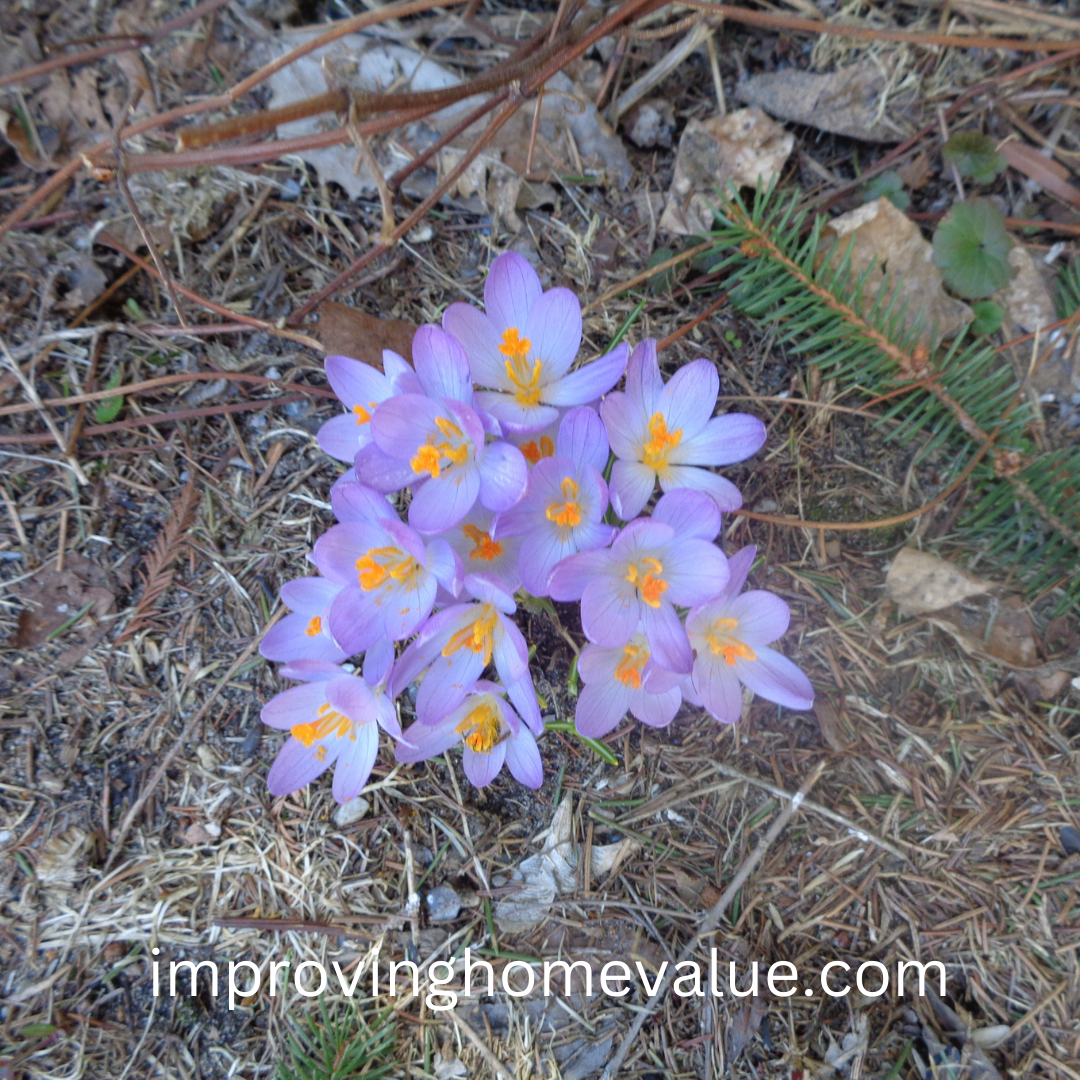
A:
(487, 467)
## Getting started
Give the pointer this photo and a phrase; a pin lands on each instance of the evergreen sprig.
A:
(341, 1044)
(1024, 506)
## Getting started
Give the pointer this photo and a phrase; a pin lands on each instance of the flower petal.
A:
(589, 382)
(762, 617)
(643, 382)
(718, 687)
(726, 495)
(657, 710)
(631, 487)
(511, 290)
(289, 640)
(443, 561)
(504, 475)
(341, 437)
(739, 566)
(401, 424)
(513, 417)
(554, 328)
(540, 551)
(441, 364)
(609, 616)
(696, 571)
(627, 428)
(668, 643)
(382, 472)
(296, 765)
(355, 761)
(600, 707)
(442, 502)
(776, 678)
(297, 705)
(423, 741)
(379, 662)
(481, 769)
(355, 382)
(523, 759)
(582, 438)
(692, 514)
(689, 398)
(723, 441)
(446, 683)
(357, 502)
(570, 578)
(477, 335)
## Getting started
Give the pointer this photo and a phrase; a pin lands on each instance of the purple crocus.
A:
(390, 577)
(305, 634)
(480, 554)
(665, 433)
(333, 719)
(361, 389)
(438, 448)
(652, 565)
(523, 348)
(565, 501)
(730, 636)
(621, 680)
(492, 735)
(454, 647)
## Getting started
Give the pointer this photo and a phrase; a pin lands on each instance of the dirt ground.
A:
(141, 560)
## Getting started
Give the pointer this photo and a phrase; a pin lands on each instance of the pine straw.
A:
(943, 760)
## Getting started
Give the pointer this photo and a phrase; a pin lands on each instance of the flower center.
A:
(314, 628)
(482, 727)
(722, 643)
(485, 548)
(654, 453)
(526, 379)
(634, 658)
(476, 636)
(323, 725)
(362, 414)
(566, 514)
(433, 457)
(644, 575)
(535, 449)
(378, 564)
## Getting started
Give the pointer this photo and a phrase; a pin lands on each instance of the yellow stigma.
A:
(379, 564)
(484, 547)
(324, 724)
(722, 643)
(535, 449)
(314, 628)
(526, 379)
(481, 728)
(433, 457)
(567, 513)
(362, 415)
(634, 658)
(476, 636)
(654, 453)
(645, 575)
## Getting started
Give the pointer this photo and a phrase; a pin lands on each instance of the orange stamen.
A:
(526, 379)
(722, 643)
(314, 628)
(429, 458)
(654, 453)
(322, 726)
(476, 636)
(646, 576)
(481, 728)
(628, 670)
(485, 548)
(566, 514)
(381, 563)
(533, 452)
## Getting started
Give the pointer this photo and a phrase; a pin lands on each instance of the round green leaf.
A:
(971, 249)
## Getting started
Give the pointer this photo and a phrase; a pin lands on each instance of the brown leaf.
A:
(1047, 173)
(348, 331)
(52, 597)
(832, 727)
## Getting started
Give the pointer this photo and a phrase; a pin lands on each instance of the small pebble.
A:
(767, 506)
(443, 904)
(351, 811)
(421, 234)
(1070, 840)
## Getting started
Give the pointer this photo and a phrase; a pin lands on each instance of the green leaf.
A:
(974, 156)
(971, 248)
(109, 409)
(888, 185)
(663, 282)
(1067, 299)
(988, 317)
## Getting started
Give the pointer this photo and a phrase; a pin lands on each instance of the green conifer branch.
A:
(1026, 503)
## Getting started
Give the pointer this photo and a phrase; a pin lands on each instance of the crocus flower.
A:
(523, 348)
(438, 448)
(536, 445)
(454, 647)
(305, 634)
(621, 680)
(492, 735)
(730, 636)
(480, 554)
(565, 501)
(333, 719)
(652, 565)
(361, 389)
(664, 433)
(389, 575)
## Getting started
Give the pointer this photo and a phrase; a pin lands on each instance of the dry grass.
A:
(933, 834)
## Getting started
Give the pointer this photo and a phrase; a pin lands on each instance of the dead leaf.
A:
(86, 280)
(984, 621)
(348, 331)
(1026, 300)
(1049, 174)
(884, 241)
(916, 172)
(742, 148)
(744, 1025)
(845, 101)
(50, 598)
(833, 730)
(13, 129)
(58, 864)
